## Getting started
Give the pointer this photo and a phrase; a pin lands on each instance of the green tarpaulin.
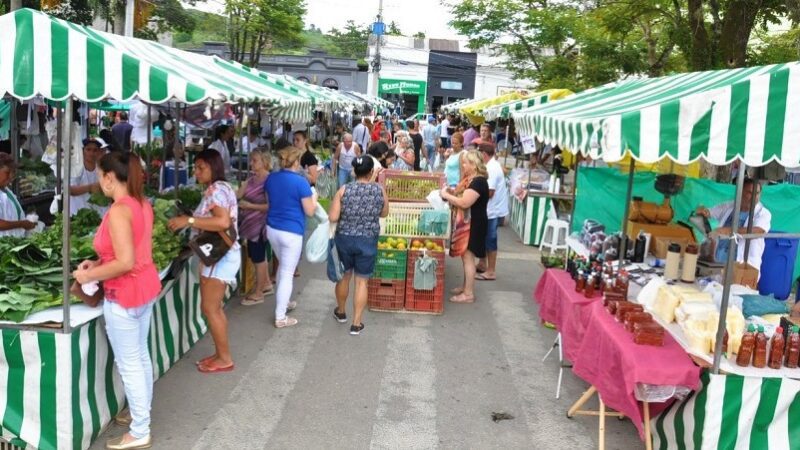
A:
(602, 192)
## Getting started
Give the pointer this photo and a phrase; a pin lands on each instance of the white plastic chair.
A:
(555, 233)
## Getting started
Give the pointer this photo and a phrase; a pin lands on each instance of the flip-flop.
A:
(483, 277)
(457, 291)
(250, 300)
(479, 270)
(269, 291)
(461, 298)
(205, 369)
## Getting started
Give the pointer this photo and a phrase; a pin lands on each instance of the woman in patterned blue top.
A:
(357, 208)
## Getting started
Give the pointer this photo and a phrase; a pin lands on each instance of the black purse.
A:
(211, 246)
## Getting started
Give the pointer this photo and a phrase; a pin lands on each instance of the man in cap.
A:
(86, 183)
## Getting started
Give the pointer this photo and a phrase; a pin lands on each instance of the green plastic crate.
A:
(390, 264)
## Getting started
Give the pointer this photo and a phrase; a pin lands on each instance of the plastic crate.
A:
(404, 220)
(390, 264)
(425, 301)
(386, 295)
(405, 186)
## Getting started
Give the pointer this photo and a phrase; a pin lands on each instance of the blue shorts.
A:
(357, 253)
(257, 250)
(226, 269)
(491, 234)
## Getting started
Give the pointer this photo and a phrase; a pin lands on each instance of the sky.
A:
(428, 16)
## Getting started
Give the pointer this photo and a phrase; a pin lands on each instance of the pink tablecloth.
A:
(560, 305)
(602, 351)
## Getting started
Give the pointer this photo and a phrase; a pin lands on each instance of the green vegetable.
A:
(99, 199)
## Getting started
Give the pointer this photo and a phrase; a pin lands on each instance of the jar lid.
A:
(674, 247)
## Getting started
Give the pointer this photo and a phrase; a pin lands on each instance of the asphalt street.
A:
(409, 381)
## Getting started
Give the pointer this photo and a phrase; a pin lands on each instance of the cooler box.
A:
(777, 266)
(168, 175)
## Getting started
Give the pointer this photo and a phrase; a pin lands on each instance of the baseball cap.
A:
(99, 141)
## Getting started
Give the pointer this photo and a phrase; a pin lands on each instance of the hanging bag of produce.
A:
(425, 273)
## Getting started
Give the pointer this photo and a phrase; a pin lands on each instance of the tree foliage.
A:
(351, 41)
(255, 26)
(582, 43)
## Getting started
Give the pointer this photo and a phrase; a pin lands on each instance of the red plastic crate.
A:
(407, 186)
(386, 295)
(425, 301)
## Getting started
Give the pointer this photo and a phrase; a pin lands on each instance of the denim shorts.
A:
(491, 234)
(357, 253)
(257, 250)
(227, 268)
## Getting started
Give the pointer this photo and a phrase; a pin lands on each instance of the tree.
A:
(352, 41)
(258, 25)
(393, 29)
(419, 35)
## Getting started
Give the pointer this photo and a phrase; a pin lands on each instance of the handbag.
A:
(89, 300)
(335, 267)
(460, 238)
(212, 246)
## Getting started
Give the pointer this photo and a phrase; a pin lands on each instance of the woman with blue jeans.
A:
(218, 210)
(124, 244)
(290, 201)
(343, 158)
(357, 208)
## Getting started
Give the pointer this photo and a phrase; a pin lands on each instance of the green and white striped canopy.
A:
(42, 55)
(373, 101)
(749, 114)
(506, 110)
(453, 107)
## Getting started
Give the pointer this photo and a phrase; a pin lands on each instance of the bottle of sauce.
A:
(776, 349)
(580, 282)
(793, 348)
(588, 290)
(746, 348)
(673, 262)
(689, 263)
(760, 352)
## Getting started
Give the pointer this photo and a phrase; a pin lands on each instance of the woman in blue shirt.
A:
(290, 201)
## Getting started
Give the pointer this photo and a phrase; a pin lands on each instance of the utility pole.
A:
(130, 7)
(378, 30)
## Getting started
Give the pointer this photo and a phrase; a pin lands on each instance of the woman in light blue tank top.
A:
(452, 166)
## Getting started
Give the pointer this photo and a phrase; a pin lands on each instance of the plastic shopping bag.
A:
(425, 273)
(436, 200)
(423, 163)
(317, 244)
(437, 161)
(335, 267)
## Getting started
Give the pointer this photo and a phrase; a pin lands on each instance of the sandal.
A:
(483, 277)
(251, 300)
(461, 298)
(269, 291)
(205, 360)
(457, 291)
(287, 322)
(202, 368)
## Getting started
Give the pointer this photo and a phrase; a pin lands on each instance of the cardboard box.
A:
(746, 275)
(661, 245)
(657, 231)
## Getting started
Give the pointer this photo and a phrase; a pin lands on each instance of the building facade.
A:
(316, 68)
(423, 74)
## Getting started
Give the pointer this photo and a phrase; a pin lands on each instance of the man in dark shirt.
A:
(122, 131)
(416, 138)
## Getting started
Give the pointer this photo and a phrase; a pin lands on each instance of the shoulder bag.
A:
(211, 246)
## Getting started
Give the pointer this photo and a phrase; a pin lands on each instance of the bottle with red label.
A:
(793, 348)
(776, 349)
(760, 352)
(745, 354)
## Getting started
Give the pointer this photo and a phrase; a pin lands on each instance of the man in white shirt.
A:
(431, 137)
(444, 134)
(361, 134)
(723, 213)
(496, 210)
(86, 184)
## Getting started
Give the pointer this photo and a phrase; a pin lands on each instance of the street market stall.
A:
(42, 57)
(745, 115)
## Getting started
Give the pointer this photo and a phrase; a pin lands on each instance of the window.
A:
(452, 85)
(304, 79)
(331, 83)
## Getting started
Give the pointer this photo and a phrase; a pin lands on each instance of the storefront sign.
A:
(387, 86)
(452, 85)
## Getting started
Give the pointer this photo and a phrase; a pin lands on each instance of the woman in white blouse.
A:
(12, 216)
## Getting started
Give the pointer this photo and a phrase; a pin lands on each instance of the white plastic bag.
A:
(317, 244)
(435, 199)
(423, 163)
(437, 161)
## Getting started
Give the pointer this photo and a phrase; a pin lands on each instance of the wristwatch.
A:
(191, 221)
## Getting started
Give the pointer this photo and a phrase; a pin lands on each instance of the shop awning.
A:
(42, 55)
(474, 109)
(506, 110)
(749, 113)
(453, 107)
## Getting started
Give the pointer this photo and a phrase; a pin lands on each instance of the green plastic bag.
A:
(433, 222)
(425, 273)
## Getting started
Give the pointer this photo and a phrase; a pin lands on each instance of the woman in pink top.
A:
(124, 243)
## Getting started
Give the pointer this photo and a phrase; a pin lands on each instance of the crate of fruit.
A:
(412, 220)
(390, 264)
(422, 300)
(406, 186)
(386, 295)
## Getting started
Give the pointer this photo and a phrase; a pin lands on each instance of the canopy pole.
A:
(574, 204)
(242, 116)
(14, 137)
(176, 144)
(624, 241)
(149, 142)
(162, 172)
(726, 287)
(66, 219)
(59, 148)
(750, 219)
(508, 142)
